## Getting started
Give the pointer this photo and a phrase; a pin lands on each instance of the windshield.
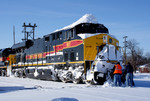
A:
(91, 28)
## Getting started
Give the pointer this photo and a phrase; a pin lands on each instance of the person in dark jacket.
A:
(129, 75)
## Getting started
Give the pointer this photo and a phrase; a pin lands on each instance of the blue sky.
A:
(122, 17)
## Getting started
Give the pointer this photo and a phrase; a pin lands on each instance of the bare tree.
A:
(147, 58)
(147, 55)
(135, 54)
(139, 57)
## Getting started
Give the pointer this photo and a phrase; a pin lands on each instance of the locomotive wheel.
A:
(90, 82)
(3, 72)
(76, 81)
(16, 74)
(64, 80)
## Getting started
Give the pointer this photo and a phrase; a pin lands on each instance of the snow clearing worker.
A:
(117, 74)
(129, 75)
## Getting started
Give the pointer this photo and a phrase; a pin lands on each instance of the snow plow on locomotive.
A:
(81, 52)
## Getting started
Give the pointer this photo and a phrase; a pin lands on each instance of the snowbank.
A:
(24, 89)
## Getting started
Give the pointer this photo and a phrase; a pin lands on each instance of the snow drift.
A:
(87, 18)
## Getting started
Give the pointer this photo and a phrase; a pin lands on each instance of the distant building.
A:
(144, 68)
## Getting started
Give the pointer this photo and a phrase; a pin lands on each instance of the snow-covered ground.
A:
(24, 89)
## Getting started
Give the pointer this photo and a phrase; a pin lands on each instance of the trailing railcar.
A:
(79, 53)
(4, 59)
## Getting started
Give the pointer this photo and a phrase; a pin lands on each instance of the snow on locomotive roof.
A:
(87, 18)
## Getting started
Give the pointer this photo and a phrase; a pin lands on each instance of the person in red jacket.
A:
(117, 74)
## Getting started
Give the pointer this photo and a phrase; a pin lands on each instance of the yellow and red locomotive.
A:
(83, 51)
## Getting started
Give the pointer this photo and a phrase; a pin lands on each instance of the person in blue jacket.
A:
(129, 75)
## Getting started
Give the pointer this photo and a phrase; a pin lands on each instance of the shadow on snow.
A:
(142, 83)
(13, 88)
(64, 99)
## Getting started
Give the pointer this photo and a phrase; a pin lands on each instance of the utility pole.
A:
(14, 34)
(125, 45)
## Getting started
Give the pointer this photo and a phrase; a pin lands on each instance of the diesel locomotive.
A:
(81, 52)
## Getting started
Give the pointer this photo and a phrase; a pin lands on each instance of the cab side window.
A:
(53, 36)
(65, 36)
(47, 39)
(72, 33)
